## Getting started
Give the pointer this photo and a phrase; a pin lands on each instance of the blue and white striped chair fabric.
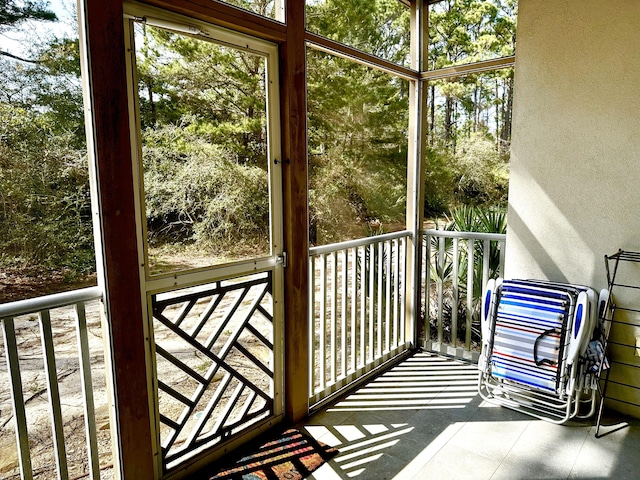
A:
(530, 328)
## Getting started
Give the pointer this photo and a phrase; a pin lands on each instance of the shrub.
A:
(482, 175)
(45, 207)
(196, 192)
(476, 174)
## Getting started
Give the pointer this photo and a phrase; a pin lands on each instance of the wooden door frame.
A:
(109, 145)
(106, 113)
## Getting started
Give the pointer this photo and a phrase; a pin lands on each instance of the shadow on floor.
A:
(424, 419)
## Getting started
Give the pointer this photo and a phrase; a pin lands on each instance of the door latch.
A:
(282, 260)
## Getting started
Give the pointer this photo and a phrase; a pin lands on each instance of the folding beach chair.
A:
(535, 338)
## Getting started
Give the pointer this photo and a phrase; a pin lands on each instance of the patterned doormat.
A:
(291, 456)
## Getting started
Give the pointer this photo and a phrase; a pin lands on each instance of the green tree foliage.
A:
(197, 193)
(358, 120)
(354, 179)
(469, 118)
(221, 89)
(14, 12)
(467, 31)
(49, 86)
(379, 27)
(203, 118)
(481, 173)
(45, 217)
(261, 7)
(477, 174)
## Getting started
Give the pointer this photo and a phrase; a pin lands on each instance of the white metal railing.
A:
(357, 311)
(56, 315)
(455, 268)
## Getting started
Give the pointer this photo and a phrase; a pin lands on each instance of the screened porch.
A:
(163, 370)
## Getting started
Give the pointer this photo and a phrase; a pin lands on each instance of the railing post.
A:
(363, 307)
(380, 263)
(354, 308)
(397, 305)
(502, 247)
(87, 390)
(486, 259)
(322, 327)
(454, 295)
(343, 317)
(470, 269)
(387, 312)
(19, 414)
(334, 315)
(51, 373)
(312, 325)
(404, 292)
(441, 241)
(426, 238)
(372, 301)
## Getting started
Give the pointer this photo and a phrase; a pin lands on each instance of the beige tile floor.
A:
(424, 420)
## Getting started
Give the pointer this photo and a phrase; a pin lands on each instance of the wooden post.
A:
(296, 210)
(104, 77)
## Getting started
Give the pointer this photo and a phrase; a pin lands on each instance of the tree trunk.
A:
(448, 114)
(453, 134)
(152, 104)
(476, 107)
(505, 134)
(498, 113)
(432, 112)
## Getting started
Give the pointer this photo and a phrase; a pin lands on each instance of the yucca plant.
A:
(466, 219)
(483, 220)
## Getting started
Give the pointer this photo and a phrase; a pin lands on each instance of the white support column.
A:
(415, 171)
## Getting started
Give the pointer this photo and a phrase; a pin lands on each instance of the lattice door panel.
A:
(214, 360)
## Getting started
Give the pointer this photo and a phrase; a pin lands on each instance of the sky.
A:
(18, 40)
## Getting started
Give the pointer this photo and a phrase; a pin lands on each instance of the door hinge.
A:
(282, 260)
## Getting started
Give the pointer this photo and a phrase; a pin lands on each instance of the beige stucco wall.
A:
(574, 192)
